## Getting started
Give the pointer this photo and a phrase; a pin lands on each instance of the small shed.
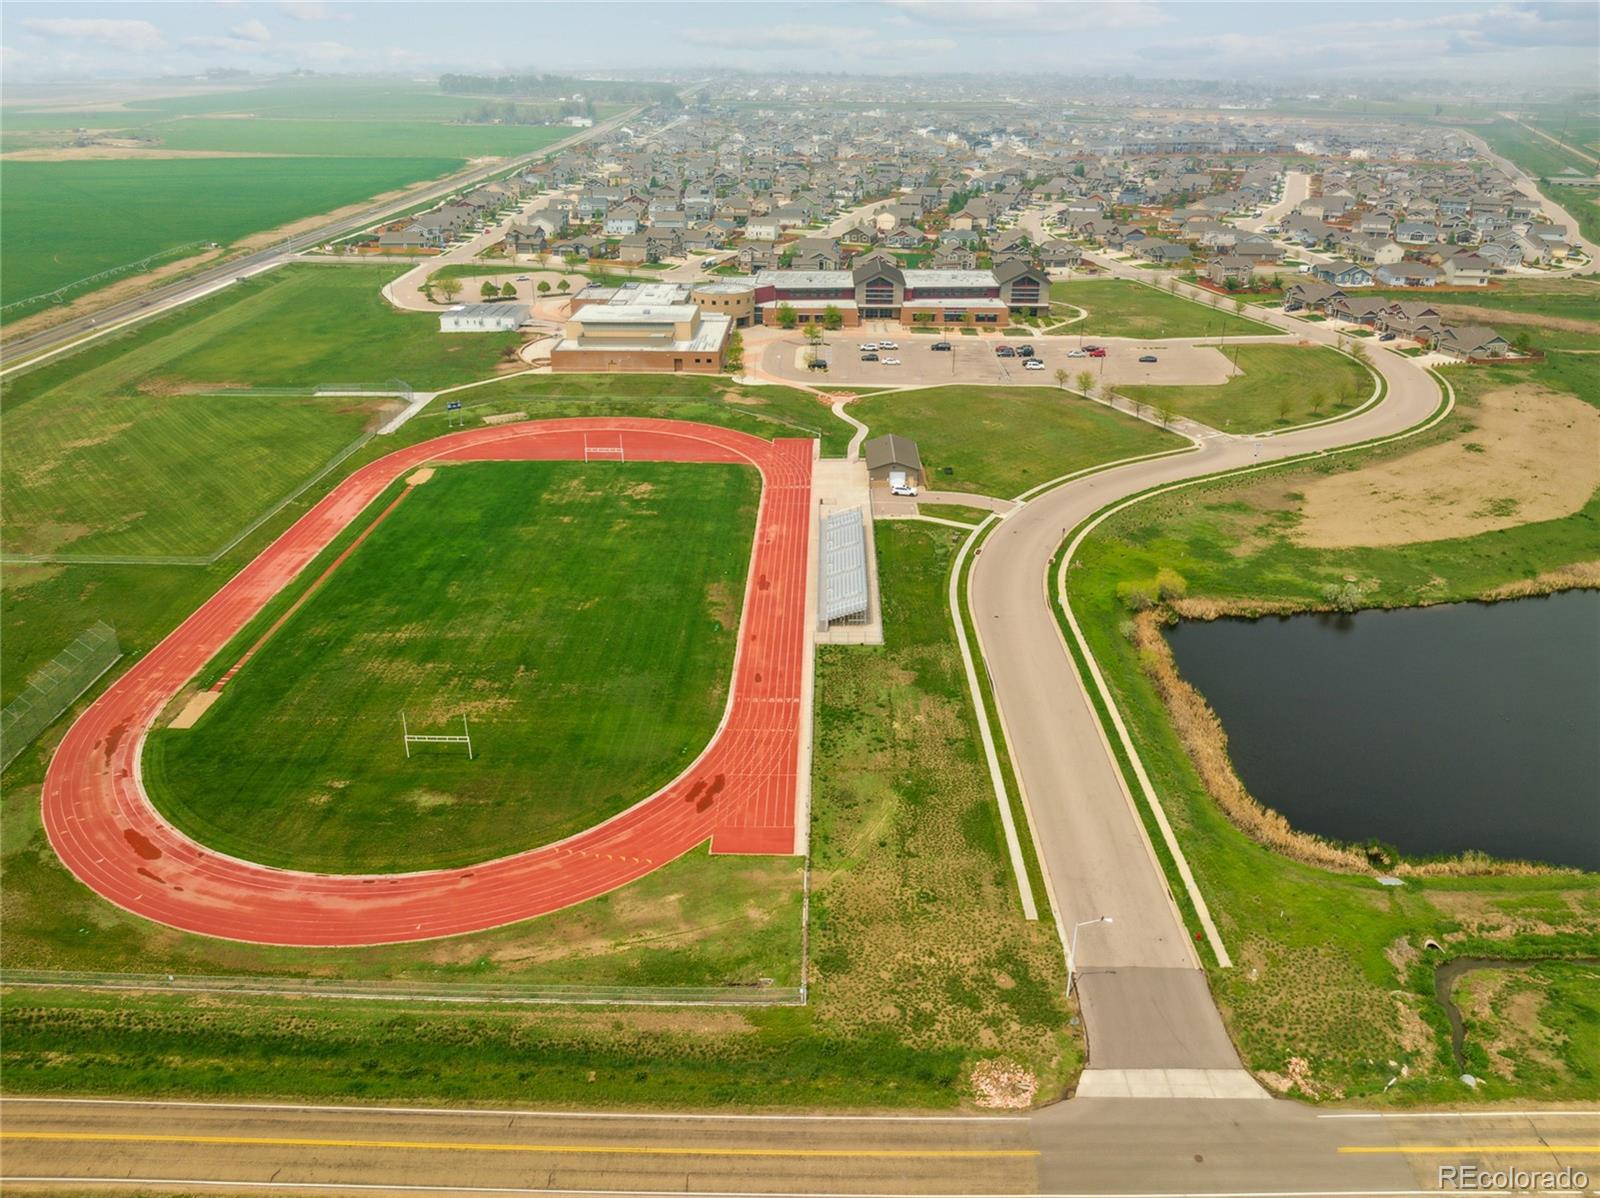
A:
(890, 453)
(483, 318)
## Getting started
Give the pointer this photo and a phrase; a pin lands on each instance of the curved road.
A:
(1146, 1004)
(740, 792)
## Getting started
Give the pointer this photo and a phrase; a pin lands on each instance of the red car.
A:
(1096, 352)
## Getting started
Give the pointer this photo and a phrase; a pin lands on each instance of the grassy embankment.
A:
(1122, 308)
(922, 964)
(1278, 386)
(1003, 440)
(1330, 966)
(586, 687)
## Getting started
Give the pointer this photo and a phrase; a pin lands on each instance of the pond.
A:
(1436, 730)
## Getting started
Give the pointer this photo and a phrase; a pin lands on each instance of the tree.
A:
(733, 353)
(544, 286)
(1283, 404)
(1061, 379)
(1167, 415)
(787, 317)
(564, 285)
(508, 291)
(813, 334)
(1086, 382)
(1522, 343)
(449, 288)
(833, 318)
(1238, 307)
(1318, 398)
(1172, 284)
(489, 291)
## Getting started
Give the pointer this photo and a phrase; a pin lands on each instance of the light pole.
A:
(1072, 950)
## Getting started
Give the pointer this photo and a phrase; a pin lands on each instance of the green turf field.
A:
(1278, 385)
(127, 448)
(583, 619)
(66, 221)
(1122, 308)
(160, 475)
(1002, 440)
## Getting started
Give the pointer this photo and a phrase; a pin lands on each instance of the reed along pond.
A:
(1436, 730)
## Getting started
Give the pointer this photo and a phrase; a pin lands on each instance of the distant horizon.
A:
(1457, 45)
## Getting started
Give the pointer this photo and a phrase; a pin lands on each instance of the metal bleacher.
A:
(844, 567)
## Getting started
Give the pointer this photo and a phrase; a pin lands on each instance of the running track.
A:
(739, 794)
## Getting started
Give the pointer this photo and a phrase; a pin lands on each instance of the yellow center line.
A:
(1474, 1149)
(85, 1137)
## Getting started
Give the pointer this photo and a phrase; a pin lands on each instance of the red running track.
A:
(740, 793)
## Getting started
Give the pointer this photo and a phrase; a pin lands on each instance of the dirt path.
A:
(1531, 454)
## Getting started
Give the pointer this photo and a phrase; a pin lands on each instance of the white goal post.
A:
(410, 738)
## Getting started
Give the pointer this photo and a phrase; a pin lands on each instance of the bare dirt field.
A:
(82, 153)
(1532, 455)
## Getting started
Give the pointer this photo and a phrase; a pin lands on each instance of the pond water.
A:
(1436, 730)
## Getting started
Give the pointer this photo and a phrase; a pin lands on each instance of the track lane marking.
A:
(86, 1137)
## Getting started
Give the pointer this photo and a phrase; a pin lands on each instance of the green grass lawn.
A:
(358, 139)
(66, 221)
(1002, 440)
(159, 475)
(584, 620)
(1122, 308)
(1279, 385)
(1328, 966)
(922, 963)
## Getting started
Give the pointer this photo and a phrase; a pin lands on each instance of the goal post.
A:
(410, 738)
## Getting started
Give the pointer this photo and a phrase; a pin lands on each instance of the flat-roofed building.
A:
(483, 318)
(641, 327)
(877, 289)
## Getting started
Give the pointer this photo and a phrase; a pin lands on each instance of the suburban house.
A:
(1467, 270)
(1408, 274)
(1229, 268)
(1343, 274)
(1471, 341)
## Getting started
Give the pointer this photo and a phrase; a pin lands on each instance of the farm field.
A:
(133, 447)
(362, 139)
(907, 855)
(1122, 308)
(1339, 980)
(1002, 440)
(66, 221)
(1278, 386)
(584, 620)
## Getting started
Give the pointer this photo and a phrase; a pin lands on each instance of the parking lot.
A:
(973, 360)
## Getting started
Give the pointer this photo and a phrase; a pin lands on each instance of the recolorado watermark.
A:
(1478, 1177)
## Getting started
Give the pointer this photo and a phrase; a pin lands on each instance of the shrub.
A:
(1136, 594)
(1170, 584)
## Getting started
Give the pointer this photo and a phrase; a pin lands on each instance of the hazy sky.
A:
(1533, 43)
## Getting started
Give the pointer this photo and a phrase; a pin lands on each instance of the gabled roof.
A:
(892, 450)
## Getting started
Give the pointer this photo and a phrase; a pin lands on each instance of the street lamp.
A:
(1072, 949)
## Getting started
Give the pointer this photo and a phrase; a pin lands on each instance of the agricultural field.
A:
(1003, 440)
(907, 855)
(1335, 975)
(583, 620)
(362, 139)
(134, 446)
(1270, 391)
(1122, 308)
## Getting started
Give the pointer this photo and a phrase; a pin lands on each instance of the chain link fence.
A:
(56, 687)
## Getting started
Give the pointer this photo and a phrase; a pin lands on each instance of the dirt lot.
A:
(973, 360)
(1533, 455)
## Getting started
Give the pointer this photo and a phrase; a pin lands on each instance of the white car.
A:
(890, 361)
(1077, 353)
(870, 347)
(902, 489)
(888, 345)
(1033, 364)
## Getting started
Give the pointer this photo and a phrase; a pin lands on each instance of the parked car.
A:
(870, 347)
(1004, 351)
(869, 357)
(1077, 353)
(1092, 348)
(522, 278)
(890, 361)
(944, 345)
(1033, 364)
(1096, 352)
(1024, 351)
(888, 345)
(1387, 337)
(1147, 358)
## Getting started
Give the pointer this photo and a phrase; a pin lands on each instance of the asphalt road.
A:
(1107, 1146)
(160, 299)
(1146, 1004)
